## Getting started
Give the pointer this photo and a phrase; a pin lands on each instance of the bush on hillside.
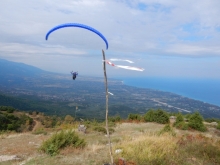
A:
(61, 140)
(180, 123)
(136, 117)
(16, 123)
(114, 119)
(161, 117)
(158, 116)
(179, 118)
(103, 130)
(68, 119)
(167, 129)
(209, 120)
(149, 116)
(196, 122)
(187, 116)
(7, 108)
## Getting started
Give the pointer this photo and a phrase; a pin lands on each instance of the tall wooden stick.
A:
(106, 115)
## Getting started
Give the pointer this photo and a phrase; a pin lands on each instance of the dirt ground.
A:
(22, 148)
(19, 147)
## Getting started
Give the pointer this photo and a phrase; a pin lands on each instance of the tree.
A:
(149, 116)
(196, 122)
(179, 118)
(134, 117)
(161, 117)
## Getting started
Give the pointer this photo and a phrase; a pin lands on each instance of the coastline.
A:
(205, 90)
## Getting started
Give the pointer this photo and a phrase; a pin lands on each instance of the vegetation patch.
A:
(167, 129)
(200, 148)
(136, 117)
(165, 150)
(196, 122)
(103, 130)
(114, 119)
(148, 149)
(61, 140)
(180, 123)
(158, 116)
(14, 121)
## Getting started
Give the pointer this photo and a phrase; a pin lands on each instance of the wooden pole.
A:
(106, 115)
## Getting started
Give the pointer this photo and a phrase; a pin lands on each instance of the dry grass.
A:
(140, 143)
(186, 149)
(147, 148)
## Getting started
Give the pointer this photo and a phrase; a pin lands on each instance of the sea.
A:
(205, 90)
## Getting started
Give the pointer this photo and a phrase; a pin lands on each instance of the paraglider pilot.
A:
(74, 74)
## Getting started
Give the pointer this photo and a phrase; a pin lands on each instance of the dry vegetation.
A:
(140, 144)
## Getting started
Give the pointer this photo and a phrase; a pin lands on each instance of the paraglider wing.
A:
(77, 25)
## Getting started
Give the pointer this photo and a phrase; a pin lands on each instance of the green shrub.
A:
(161, 117)
(182, 125)
(115, 119)
(100, 129)
(61, 140)
(196, 122)
(16, 123)
(209, 120)
(167, 129)
(7, 108)
(134, 117)
(111, 124)
(10, 110)
(149, 116)
(93, 122)
(158, 116)
(12, 127)
(103, 130)
(179, 118)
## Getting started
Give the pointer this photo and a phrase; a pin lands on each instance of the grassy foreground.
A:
(139, 143)
(165, 150)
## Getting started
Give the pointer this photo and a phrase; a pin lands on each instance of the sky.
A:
(168, 38)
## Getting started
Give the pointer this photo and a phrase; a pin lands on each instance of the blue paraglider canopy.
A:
(80, 26)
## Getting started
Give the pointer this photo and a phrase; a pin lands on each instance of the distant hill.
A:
(29, 88)
(26, 104)
(18, 69)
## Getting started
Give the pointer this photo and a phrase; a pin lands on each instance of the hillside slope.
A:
(9, 68)
(139, 142)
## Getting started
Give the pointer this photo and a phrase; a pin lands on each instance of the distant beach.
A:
(205, 90)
